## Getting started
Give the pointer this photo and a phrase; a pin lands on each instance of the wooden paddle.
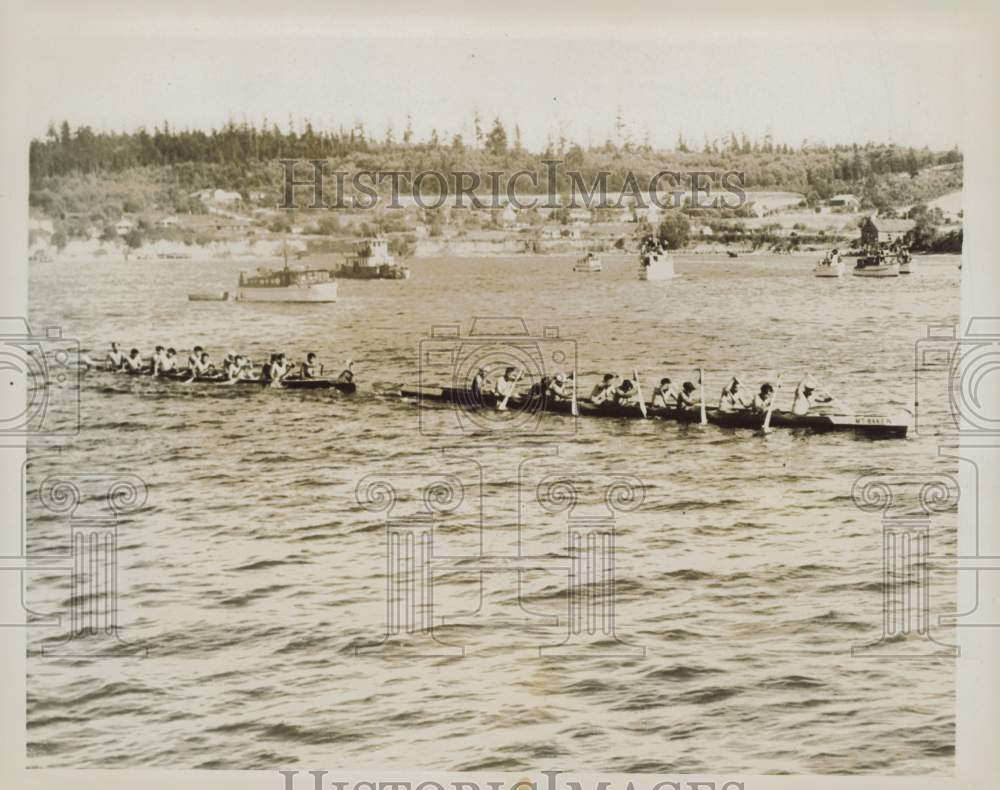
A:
(638, 392)
(770, 406)
(573, 407)
(503, 403)
(701, 394)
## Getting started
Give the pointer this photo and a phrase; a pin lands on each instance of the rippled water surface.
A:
(252, 574)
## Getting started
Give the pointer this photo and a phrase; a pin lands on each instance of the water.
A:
(252, 574)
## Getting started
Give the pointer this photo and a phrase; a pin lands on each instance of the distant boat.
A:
(655, 264)
(589, 263)
(830, 266)
(209, 296)
(372, 261)
(732, 253)
(287, 285)
(876, 266)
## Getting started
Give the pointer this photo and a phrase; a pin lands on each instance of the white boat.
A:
(589, 263)
(287, 285)
(906, 264)
(888, 269)
(656, 265)
(830, 266)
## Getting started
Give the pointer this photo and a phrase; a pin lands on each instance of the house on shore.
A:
(844, 203)
(876, 230)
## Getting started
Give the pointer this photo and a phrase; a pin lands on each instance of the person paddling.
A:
(168, 364)
(683, 400)
(311, 369)
(762, 400)
(731, 398)
(625, 394)
(664, 395)
(506, 383)
(605, 391)
(133, 362)
(159, 354)
(559, 388)
(478, 386)
(194, 357)
(347, 374)
(116, 358)
(805, 397)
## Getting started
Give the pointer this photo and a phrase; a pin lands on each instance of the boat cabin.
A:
(283, 278)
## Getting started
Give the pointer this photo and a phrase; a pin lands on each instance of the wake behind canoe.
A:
(874, 426)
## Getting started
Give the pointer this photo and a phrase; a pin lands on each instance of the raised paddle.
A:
(573, 407)
(701, 395)
(638, 392)
(503, 403)
(770, 407)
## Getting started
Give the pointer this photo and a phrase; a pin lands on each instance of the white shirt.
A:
(505, 386)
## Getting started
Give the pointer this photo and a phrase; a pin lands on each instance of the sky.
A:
(811, 85)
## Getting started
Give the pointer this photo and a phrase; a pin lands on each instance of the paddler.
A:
(605, 391)
(478, 385)
(194, 357)
(625, 394)
(506, 383)
(539, 388)
(116, 357)
(279, 370)
(159, 354)
(731, 398)
(762, 400)
(133, 362)
(664, 395)
(347, 374)
(684, 400)
(805, 397)
(311, 369)
(168, 365)
(203, 365)
(233, 367)
(559, 388)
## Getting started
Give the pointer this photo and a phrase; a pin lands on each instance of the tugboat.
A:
(287, 285)
(655, 262)
(830, 266)
(589, 263)
(372, 261)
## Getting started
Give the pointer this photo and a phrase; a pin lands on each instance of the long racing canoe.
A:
(221, 380)
(870, 425)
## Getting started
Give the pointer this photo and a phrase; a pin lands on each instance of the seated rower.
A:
(194, 357)
(203, 365)
(805, 399)
(347, 374)
(478, 386)
(310, 368)
(539, 388)
(279, 370)
(168, 364)
(159, 354)
(246, 370)
(683, 400)
(762, 400)
(626, 394)
(116, 358)
(664, 395)
(731, 398)
(605, 391)
(559, 388)
(505, 387)
(233, 367)
(265, 369)
(133, 362)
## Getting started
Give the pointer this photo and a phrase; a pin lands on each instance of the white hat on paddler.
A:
(560, 377)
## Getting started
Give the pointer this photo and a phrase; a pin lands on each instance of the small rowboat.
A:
(871, 425)
(221, 380)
